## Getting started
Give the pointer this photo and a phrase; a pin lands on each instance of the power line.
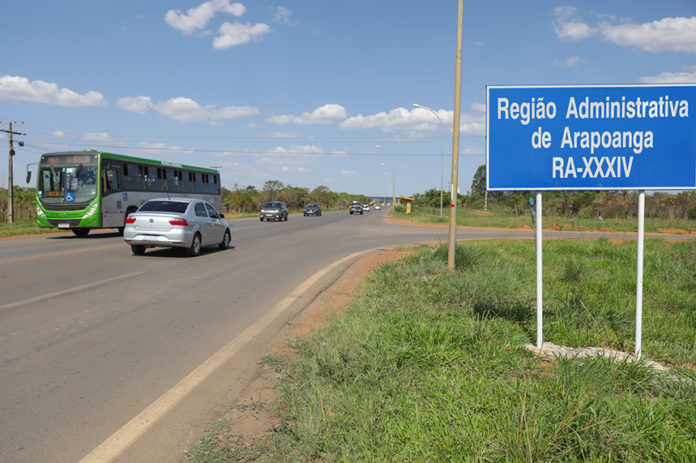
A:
(244, 152)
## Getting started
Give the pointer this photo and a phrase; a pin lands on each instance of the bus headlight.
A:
(40, 212)
(91, 211)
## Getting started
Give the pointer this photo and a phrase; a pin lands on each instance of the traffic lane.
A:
(97, 358)
(90, 352)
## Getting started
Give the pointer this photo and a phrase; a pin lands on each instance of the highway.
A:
(91, 336)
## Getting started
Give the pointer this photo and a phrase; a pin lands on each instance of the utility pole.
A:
(10, 180)
(455, 140)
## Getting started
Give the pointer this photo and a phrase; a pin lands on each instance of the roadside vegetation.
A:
(429, 365)
(562, 210)
(236, 203)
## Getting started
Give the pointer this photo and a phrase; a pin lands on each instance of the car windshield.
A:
(272, 205)
(312, 205)
(164, 206)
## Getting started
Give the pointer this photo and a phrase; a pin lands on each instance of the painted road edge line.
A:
(68, 291)
(123, 438)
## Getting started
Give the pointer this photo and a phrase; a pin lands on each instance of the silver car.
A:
(176, 222)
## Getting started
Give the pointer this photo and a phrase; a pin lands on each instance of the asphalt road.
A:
(90, 335)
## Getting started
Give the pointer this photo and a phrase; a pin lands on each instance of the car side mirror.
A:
(222, 216)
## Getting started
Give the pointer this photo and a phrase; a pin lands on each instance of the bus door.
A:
(112, 200)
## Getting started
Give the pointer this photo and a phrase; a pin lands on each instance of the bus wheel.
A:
(80, 231)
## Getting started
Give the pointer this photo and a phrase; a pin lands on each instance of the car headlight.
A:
(91, 211)
(40, 212)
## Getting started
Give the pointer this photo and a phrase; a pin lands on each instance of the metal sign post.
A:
(639, 274)
(540, 280)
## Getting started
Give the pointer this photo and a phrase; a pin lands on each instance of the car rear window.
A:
(164, 206)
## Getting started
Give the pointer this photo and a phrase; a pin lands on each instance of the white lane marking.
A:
(121, 440)
(67, 291)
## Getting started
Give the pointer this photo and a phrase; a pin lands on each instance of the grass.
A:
(24, 228)
(495, 219)
(432, 368)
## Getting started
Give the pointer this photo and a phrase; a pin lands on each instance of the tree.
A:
(478, 184)
(272, 187)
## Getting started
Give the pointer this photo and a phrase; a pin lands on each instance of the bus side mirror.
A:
(28, 176)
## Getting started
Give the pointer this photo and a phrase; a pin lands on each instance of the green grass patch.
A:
(24, 228)
(427, 365)
(497, 219)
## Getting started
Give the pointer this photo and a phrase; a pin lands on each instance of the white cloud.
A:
(571, 62)
(21, 89)
(471, 151)
(667, 34)
(102, 137)
(568, 27)
(135, 104)
(417, 119)
(98, 137)
(325, 114)
(185, 109)
(197, 18)
(238, 33)
(479, 107)
(348, 173)
(688, 76)
(283, 16)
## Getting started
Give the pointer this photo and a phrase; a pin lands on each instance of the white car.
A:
(366, 207)
(178, 222)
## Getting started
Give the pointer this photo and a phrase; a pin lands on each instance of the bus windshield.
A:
(60, 184)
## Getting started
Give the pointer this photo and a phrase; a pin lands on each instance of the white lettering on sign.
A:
(593, 167)
(526, 111)
(663, 107)
(637, 140)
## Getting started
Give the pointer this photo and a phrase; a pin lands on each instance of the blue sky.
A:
(304, 91)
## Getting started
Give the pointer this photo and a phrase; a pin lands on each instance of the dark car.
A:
(312, 209)
(356, 207)
(274, 210)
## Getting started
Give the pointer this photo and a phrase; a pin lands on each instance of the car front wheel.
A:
(195, 248)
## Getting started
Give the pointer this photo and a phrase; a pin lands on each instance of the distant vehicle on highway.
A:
(82, 190)
(377, 207)
(274, 210)
(178, 222)
(312, 209)
(366, 207)
(356, 207)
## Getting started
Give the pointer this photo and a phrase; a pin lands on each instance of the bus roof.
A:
(123, 157)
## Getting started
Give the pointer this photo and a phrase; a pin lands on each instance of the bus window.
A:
(110, 179)
(154, 178)
(132, 177)
(210, 186)
(199, 186)
(186, 184)
(170, 182)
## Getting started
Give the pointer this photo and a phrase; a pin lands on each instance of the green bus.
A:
(84, 190)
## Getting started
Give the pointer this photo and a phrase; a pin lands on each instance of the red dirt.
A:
(252, 417)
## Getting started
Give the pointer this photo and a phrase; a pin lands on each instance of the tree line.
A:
(250, 199)
(237, 200)
(584, 204)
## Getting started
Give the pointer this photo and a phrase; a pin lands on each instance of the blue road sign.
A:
(637, 137)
